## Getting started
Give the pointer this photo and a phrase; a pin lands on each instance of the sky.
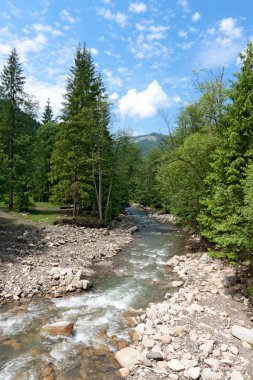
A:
(146, 51)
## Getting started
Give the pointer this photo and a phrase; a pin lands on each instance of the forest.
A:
(202, 172)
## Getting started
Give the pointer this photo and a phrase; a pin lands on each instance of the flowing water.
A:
(139, 275)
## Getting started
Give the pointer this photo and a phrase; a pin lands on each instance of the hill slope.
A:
(147, 142)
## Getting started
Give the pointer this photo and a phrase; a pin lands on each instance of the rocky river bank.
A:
(51, 261)
(203, 330)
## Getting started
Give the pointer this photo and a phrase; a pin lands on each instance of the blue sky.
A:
(145, 50)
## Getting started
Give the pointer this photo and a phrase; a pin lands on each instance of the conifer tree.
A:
(48, 114)
(222, 219)
(83, 143)
(12, 93)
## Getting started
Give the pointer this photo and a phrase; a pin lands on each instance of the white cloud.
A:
(65, 15)
(43, 91)
(111, 79)
(119, 18)
(184, 4)
(46, 28)
(114, 96)
(144, 103)
(222, 43)
(228, 27)
(94, 51)
(182, 34)
(137, 7)
(196, 16)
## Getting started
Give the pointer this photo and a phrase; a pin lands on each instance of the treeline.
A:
(203, 172)
(72, 161)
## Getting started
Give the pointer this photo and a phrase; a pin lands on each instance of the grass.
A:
(41, 212)
(46, 212)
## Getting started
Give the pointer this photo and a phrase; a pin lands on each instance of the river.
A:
(139, 275)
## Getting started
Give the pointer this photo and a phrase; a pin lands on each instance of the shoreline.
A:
(192, 333)
(54, 261)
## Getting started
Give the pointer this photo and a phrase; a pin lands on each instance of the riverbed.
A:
(135, 277)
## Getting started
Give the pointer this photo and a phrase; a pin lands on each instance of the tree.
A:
(82, 151)
(12, 92)
(222, 218)
(48, 114)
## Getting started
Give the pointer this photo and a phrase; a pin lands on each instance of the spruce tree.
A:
(222, 218)
(48, 114)
(83, 142)
(12, 93)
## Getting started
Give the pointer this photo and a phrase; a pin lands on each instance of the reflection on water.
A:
(140, 277)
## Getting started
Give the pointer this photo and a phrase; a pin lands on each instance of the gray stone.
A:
(128, 357)
(213, 363)
(194, 372)
(207, 347)
(208, 374)
(175, 365)
(155, 355)
(242, 333)
(176, 284)
(236, 375)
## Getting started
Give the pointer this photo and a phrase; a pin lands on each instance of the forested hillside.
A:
(75, 161)
(203, 173)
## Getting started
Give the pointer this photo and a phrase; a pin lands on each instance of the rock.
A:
(194, 372)
(236, 375)
(246, 345)
(86, 284)
(208, 374)
(133, 229)
(165, 339)
(42, 280)
(124, 372)
(155, 355)
(59, 328)
(175, 365)
(214, 363)
(242, 333)
(148, 343)
(196, 308)
(176, 284)
(234, 350)
(128, 357)
(132, 322)
(173, 261)
(207, 347)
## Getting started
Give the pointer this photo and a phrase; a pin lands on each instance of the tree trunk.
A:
(100, 193)
(108, 200)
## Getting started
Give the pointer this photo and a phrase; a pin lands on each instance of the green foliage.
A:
(48, 114)
(224, 215)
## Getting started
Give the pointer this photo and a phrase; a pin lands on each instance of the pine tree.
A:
(48, 114)
(12, 92)
(222, 218)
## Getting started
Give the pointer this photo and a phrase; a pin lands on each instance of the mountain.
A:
(147, 142)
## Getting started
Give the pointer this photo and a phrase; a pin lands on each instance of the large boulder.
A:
(128, 357)
(59, 328)
(242, 333)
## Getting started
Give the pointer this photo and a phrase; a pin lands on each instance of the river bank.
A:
(51, 261)
(202, 331)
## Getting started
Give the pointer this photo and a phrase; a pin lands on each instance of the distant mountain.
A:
(147, 142)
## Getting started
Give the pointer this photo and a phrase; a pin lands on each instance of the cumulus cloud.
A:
(114, 96)
(137, 7)
(144, 103)
(119, 17)
(222, 43)
(196, 17)
(43, 91)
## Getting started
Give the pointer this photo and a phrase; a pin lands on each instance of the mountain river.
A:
(139, 275)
